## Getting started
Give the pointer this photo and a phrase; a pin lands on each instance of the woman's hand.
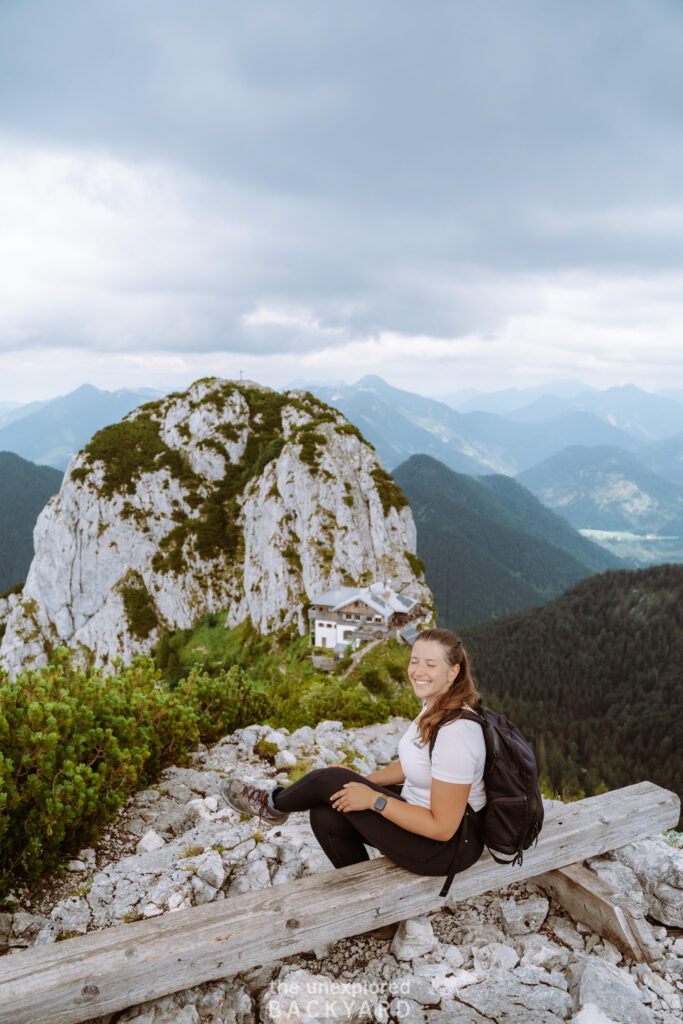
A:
(354, 796)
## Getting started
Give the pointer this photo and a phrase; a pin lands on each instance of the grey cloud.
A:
(377, 149)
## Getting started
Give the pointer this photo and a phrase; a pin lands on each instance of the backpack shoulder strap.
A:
(471, 716)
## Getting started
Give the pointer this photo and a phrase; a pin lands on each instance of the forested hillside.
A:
(24, 489)
(489, 546)
(594, 679)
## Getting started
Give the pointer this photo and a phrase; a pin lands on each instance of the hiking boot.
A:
(247, 799)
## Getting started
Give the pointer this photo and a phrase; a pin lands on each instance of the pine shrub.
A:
(75, 743)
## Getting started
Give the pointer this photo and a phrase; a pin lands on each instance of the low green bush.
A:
(75, 743)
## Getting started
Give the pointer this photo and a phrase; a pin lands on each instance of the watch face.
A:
(380, 803)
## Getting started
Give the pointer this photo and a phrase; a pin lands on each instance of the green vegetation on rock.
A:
(74, 744)
(139, 607)
(351, 428)
(415, 563)
(127, 450)
(390, 494)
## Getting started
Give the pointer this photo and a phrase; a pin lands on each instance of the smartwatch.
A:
(380, 803)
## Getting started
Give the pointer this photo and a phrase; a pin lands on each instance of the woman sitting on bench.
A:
(420, 812)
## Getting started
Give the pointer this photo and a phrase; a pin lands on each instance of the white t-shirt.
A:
(459, 755)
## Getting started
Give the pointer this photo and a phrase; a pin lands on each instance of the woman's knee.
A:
(333, 777)
(323, 817)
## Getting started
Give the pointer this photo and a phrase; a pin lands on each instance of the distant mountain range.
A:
(51, 432)
(24, 490)
(640, 414)
(489, 546)
(547, 432)
(400, 424)
(509, 399)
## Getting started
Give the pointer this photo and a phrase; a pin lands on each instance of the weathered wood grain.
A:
(108, 970)
(589, 899)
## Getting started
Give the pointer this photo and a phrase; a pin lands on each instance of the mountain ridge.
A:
(489, 546)
(605, 488)
(227, 496)
(67, 422)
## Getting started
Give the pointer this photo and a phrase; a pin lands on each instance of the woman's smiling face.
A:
(428, 671)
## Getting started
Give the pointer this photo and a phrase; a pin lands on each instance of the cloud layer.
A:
(328, 188)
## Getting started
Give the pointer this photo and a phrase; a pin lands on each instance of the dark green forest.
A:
(489, 546)
(594, 679)
(24, 490)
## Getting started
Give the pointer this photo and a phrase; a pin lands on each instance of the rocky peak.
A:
(229, 495)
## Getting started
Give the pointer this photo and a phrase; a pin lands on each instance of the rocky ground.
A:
(512, 957)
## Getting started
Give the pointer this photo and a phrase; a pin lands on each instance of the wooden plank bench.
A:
(109, 970)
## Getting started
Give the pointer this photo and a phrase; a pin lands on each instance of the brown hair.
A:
(461, 693)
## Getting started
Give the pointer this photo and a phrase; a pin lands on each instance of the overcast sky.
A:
(449, 194)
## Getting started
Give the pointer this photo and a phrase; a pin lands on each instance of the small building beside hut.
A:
(352, 615)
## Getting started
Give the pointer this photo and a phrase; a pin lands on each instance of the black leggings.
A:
(343, 836)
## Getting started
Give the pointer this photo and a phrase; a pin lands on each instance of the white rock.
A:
(590, 1014)
(666, 904)
(209, 867)
(258, 875)
(610, 989)
(151, 910)
(502, 996)
(658, 985)
(323, 729)
(522, 916)
(622, 878)
(211, 803)
(71, 916)
(285, 759)
(566, 933)
(199, 809)
(203, 893)
(413, 939)
(453, 956)
(76, 866)
(495, 956)
(188, 1015)
(302, 737)
(151, 840)
(416, 988)
(659, 868)
(276, 739)
(606, 951)
(538, 951)
(451, 983)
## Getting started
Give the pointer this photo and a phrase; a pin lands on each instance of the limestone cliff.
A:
(227, 496)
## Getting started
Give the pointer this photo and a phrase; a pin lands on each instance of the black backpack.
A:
(512, 818)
